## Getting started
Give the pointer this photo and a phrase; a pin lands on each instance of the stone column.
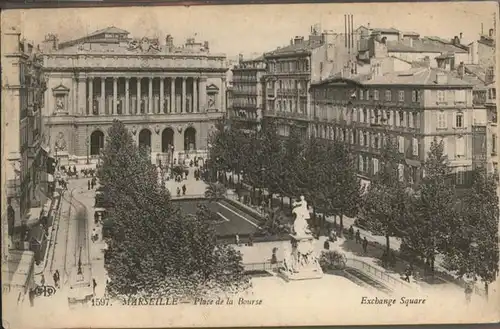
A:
(203, 94)
(127, 97)
(195, 95)
(102, 106)
(162, 95)
(172, 95)
(91, 96)
(138, 95)
(223, 95)
(81, 95)
(183, 94)
(115, 95)
(150, 96)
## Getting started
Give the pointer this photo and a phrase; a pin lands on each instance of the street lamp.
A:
(87, 142)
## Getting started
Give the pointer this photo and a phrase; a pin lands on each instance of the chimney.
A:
(206, 45)
(461, 36)
(456, 40)
(345, 31)
(461, 70)
(441, 78)
(298, 40)
(491, 33)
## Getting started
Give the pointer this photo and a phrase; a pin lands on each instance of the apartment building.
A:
(247, 95)
(412, 107)
(292, 69)
(23, 189)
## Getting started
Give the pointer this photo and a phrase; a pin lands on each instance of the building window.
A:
(365, 139)
(388, 117)
(401, 118)
(360, 159)
(401, 144)
(401, 172)
(364, 117)
(376, 142)
(414, 96)
(367, 94)
(460, 176)
(494, 144)
(375, 95)
(415, 147)
(460, 147)
(361, 95)
(388, 95)
(493, 93)
(375, 166)
(401, 96)
(410, 120)
(441, 122)
(441, 96)
(459, 120)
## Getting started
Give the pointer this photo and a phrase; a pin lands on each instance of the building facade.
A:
(411, 107)
(168, 97)
(23, 194)
(247, 94)
(292, 69)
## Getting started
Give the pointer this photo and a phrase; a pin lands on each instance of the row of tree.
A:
(435, 217)
(432, 218)
(325, 173)
(153, 248)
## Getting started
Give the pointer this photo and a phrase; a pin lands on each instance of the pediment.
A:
(60, 89)
(211, 88)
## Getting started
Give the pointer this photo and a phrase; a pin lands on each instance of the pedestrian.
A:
(351, 232)
(42, 280)
(74, 169)
(54, 276)
(237, 238)
(184, 189)
(365, 245)
(407, 274)
(358, 236)
(468, 292)
(178, 191)
(32, 297)
(94, 284)
(96, 217)
(58, 277)
(326, 245)
(89, 185)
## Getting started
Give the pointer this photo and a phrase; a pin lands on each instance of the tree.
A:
(474, 246)
(215, 192)
(435, 208)
(385, 202)
(153, 248)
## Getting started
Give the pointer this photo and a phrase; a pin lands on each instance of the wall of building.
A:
(486, 55)
(413, 57)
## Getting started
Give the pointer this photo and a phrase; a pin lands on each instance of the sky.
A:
(234, 29)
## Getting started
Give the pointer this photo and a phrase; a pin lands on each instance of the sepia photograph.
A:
(250, 165)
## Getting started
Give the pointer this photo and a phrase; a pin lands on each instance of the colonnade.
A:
(145, 95)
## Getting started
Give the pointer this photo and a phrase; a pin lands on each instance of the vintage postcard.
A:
(263, 165)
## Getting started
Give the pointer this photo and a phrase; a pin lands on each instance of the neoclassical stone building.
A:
(169, 97)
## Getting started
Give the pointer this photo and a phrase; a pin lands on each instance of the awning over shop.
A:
(20, 267)
(33, 216)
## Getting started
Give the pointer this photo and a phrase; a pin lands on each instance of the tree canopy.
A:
(153, 248)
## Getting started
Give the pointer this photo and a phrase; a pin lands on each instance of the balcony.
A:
(288, 115)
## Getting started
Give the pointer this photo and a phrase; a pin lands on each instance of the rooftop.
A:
(416, 76)
(301, 47)
(425, 45)
(385, 30)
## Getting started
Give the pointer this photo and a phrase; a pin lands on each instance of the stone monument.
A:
(301, 263)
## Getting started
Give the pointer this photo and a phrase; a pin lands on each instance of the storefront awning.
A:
(33, 216)
(20, 267)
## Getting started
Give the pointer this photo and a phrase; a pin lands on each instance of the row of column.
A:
(198, 95)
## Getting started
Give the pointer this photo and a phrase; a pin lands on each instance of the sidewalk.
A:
(377, 250)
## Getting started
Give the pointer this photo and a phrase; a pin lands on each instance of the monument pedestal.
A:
(302, 263)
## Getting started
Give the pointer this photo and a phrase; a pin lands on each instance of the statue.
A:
(59, 104)
(301, 212)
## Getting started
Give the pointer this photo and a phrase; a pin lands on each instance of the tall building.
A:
(167, 96)
(247, 94)
(292, 69)
(411, 107)
(23, 169)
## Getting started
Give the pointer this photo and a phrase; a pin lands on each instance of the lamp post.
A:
(87, 142)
